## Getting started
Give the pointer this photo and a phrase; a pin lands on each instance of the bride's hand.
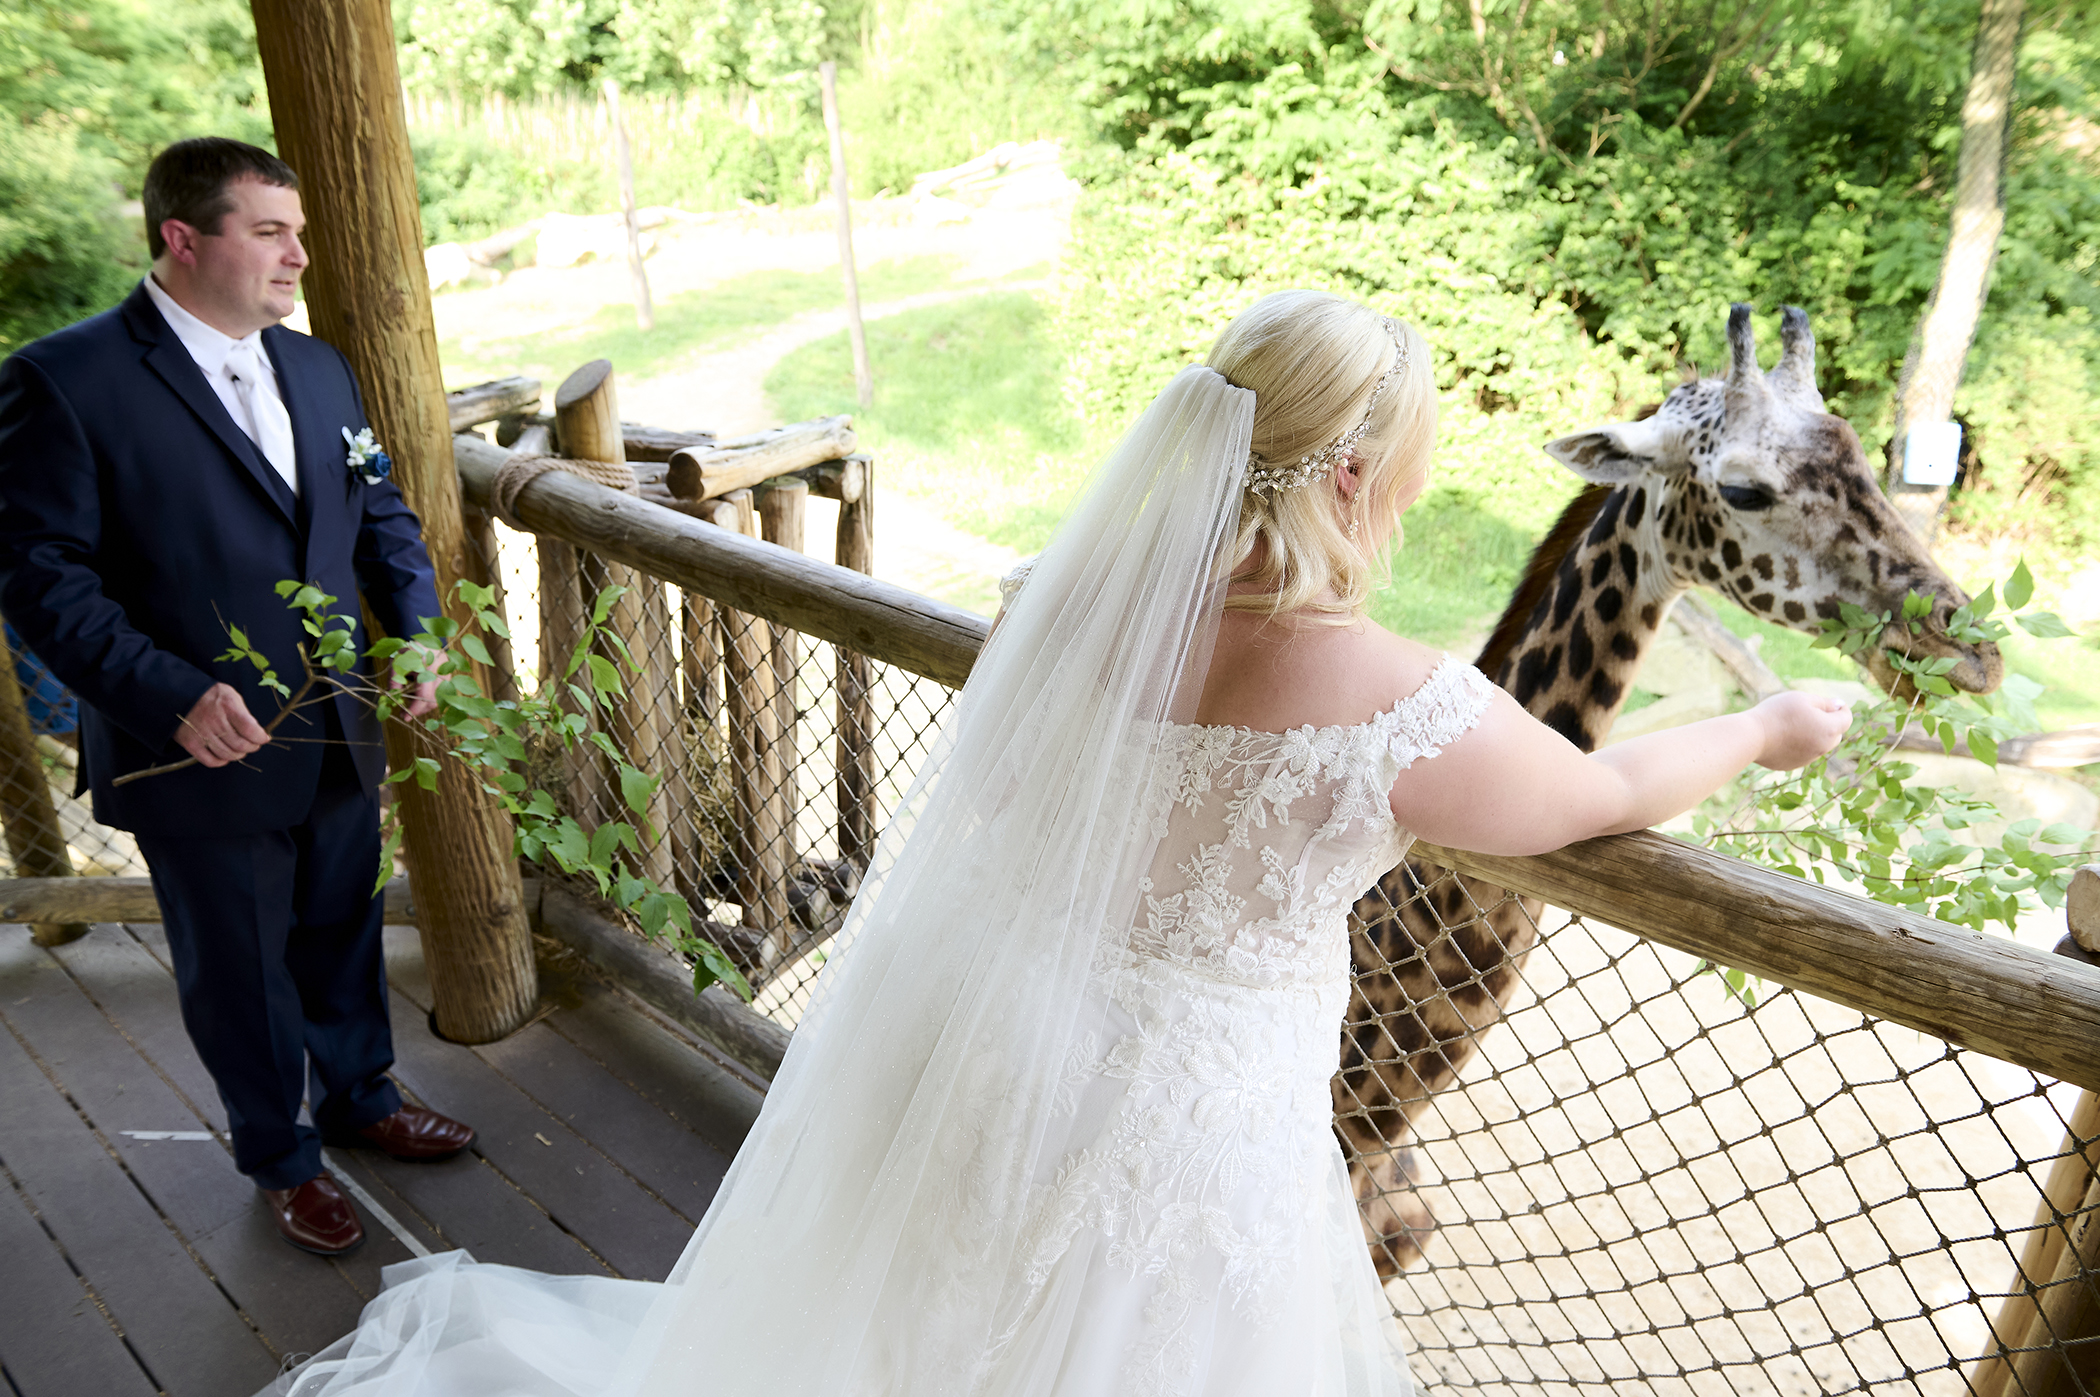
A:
(1799, 728)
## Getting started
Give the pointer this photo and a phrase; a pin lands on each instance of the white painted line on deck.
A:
(371, 1205)
(168, 1134)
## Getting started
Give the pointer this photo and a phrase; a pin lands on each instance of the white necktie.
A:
(268, 423)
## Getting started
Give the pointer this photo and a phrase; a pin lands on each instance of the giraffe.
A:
(1744, 484)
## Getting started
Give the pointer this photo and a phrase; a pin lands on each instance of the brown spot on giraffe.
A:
(1438, 956)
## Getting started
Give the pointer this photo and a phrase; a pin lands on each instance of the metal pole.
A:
(863, 376)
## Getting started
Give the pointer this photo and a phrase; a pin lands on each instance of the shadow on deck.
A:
(134, 1259)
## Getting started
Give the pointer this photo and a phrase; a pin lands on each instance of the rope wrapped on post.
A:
(521, 469)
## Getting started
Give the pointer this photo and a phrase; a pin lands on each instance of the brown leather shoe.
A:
(316, 1217)
(413, 1133)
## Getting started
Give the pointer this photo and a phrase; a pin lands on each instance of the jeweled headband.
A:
(1263, 477)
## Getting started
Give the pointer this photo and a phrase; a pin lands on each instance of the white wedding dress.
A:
(1057, 1122)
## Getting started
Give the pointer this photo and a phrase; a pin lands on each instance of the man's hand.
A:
(220, 729)
(423, 699)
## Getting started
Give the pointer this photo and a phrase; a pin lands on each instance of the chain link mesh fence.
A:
(1586, 1168)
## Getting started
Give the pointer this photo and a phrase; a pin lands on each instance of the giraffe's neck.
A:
(1592, 600)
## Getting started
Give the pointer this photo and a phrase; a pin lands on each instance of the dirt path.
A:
(724, 391)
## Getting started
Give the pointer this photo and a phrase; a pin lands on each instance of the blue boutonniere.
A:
(366, 457)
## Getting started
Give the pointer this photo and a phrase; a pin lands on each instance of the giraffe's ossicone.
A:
(1744, 484)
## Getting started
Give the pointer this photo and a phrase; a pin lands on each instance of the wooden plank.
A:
(1978, 991)
(581, 1190)
(55, 1341)
(132, 900)
(175, 1317)
(716, 1101)
(819, 599)
(669, 1160)
(136, 993)
(298, 1302)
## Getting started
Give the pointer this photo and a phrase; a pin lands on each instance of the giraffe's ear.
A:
(1616, 454)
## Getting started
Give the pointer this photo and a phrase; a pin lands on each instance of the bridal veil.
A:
(859, 1243)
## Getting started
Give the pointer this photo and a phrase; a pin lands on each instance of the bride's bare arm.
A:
(1514, 786)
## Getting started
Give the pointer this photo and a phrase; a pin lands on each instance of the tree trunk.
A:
(335, 96)
(1933, 368)
(35, 839)
(842, 196)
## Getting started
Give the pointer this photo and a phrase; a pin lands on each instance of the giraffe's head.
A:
(1758, 492)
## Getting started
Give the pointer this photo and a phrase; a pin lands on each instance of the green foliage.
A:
(497, 741)
(1859, 814)
(88, 92)
(1566, 201)
(966, 412)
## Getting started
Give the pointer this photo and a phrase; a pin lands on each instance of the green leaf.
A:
(2062, 832)
(473, 646)
(602, 607)
(2019, 588)
(2044, 625)
(604, 677)
(604, 840)
(427, 773)
(635, 788)
(1984, 602)
(1983, 747)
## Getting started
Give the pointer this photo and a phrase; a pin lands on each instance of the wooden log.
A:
(839, 480)
(705, 474)
(485, 568)
(651, 445)
(783, 510)
(854, 549)
(2019, 1322)
(1978, 991)
(486, 402)
(103, 900)
(1697, 620)
(643, 723)
(877, 618)
(35, 839)
(335, 97)
(2060, 1266)
(751, 703)
(2062, 749)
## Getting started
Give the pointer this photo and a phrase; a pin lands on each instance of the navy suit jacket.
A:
(137, 522)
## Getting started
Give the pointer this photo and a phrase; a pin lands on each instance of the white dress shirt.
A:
(210, 349)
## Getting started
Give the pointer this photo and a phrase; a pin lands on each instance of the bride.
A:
(1057, 1123)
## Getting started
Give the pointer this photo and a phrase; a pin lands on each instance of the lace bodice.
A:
(1268, 837)
(1203, 1165)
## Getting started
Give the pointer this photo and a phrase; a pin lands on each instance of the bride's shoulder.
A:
(1270, 677)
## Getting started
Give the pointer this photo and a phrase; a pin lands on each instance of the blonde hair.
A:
(1311, 360)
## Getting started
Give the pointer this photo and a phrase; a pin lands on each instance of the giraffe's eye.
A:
(1751, 497)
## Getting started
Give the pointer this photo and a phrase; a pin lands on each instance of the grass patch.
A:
(687, 324)
(968, 412)
(1455, 571)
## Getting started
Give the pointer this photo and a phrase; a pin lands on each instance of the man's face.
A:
(246, 275)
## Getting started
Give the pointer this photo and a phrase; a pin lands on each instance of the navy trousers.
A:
(281, 973)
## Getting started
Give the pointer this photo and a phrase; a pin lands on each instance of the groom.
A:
(162, 466)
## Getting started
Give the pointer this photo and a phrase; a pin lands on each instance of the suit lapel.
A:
(167, 358)
(316, 508)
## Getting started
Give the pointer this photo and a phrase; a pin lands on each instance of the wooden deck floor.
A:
(131, 1264)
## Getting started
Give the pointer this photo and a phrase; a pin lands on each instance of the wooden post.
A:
(700, 658)
(782, 510)
(644, 313)
(855, 549)
(587, 416)
(751, 697)
(842, 195)
(485, 568)
(335, 96)
(2058, 1294)
(35, 839)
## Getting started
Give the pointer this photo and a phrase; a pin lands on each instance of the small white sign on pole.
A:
(1931, 453)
